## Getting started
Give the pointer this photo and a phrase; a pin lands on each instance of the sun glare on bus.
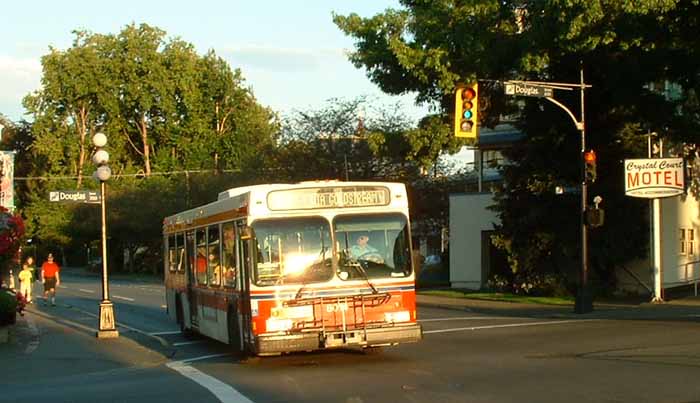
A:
(296, 263)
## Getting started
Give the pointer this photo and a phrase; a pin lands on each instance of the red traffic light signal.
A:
(589, 158)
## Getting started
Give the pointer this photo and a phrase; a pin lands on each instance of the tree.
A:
(626, 51)
(163, 108)
(70, 101)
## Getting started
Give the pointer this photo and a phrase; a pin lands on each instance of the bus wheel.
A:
(234, 333)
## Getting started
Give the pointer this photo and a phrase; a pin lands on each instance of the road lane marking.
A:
(222, 391)
(164, 333)
(186, 343)
(464, 318)
(124, 298)
(84, 290)
(558, 322)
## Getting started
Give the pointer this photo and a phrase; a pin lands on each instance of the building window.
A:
(687, 241)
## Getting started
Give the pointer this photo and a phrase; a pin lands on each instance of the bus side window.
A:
(200, 259)
(228, 257)
(214, 267)
(180, 245)
(189, 253)
(172, 253)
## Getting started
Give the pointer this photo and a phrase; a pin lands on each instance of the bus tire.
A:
(234, 332)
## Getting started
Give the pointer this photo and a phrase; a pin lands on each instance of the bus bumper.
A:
(308, 341)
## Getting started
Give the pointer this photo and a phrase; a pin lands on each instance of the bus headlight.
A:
(400, 316)
(278, 325)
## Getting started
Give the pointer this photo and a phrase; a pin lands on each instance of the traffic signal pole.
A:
(584, 296)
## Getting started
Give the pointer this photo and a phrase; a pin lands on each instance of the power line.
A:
(135, 175)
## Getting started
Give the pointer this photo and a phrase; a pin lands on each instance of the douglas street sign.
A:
(74, 196)
(528, 90)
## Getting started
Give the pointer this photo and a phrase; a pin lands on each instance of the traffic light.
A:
(466, 111)
(589, 159)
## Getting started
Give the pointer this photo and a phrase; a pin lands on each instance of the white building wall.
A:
(469, 216)
(678, 267)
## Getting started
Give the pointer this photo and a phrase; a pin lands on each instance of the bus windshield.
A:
(293, 251)
(372, 246)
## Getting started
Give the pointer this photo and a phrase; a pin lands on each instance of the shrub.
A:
(8, 307)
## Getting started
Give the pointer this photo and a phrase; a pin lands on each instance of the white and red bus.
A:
(295, 267)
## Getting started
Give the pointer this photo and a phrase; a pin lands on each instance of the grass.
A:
(503, 297)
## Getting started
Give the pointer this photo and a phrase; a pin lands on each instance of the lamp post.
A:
(107, 327)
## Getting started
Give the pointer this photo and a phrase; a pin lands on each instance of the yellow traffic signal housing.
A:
(590, 171)
(467, 111)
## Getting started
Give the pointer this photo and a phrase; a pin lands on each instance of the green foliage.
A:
(8, 307)
(163, 108)
(628, 51)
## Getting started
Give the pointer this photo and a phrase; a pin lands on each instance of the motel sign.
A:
(654, 177)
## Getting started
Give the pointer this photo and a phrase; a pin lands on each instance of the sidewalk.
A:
(677, 308)
(51, 341)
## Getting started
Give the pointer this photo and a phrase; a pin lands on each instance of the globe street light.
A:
(107, 327)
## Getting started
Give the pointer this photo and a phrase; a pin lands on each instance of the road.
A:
(474, 353)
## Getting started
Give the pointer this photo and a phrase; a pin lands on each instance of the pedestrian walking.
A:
(25, 283)
(32, 267)
(51, 279)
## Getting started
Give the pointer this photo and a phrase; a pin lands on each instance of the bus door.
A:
(191, 298)
(245, 243)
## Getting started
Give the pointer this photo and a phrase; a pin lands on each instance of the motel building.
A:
(473, 257)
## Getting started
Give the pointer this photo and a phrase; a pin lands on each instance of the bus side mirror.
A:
(246, 233)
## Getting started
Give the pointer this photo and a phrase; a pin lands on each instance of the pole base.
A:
(107, 329)
(657, 300)
(584, 301)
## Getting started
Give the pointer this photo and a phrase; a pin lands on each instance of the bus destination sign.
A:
(328, 197)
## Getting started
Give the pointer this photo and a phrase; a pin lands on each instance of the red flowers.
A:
(21, 303)
(11, 231)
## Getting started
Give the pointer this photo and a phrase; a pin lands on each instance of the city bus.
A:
(280, 268)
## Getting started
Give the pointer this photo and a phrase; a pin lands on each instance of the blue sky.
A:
(290, 52)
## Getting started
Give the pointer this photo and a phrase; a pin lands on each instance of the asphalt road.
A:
(478, 352)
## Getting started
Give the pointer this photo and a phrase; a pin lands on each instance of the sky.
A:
(290, 53)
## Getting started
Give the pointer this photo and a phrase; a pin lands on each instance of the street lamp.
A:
(107, 327)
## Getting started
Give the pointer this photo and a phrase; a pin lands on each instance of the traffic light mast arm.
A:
(579, 125)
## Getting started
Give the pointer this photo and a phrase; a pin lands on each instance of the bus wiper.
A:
(357, 265)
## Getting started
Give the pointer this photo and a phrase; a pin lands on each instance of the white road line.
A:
(124, 298)
(558, 322)
(84, 290)
(164, 333)
(463, 318)
(186, 343)
(222, 391)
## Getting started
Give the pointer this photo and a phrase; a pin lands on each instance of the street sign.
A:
(528, 90)
(75, 196)
(652, 178)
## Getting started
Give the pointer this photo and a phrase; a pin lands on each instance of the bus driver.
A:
(364, 251)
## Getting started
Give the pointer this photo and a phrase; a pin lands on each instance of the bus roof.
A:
(256, 199)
